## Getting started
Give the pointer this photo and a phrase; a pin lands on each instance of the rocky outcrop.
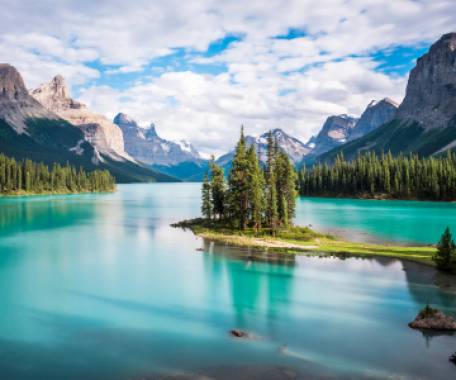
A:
(146, 146)
(16, 104)
(431, 90)
(376, 114)
(425, 122)
(433, 319)
(335, 131)
(105, 136)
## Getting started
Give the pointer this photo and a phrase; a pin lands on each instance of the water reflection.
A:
(40, 213)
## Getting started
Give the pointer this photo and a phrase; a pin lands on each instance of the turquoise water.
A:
(100, 287)
(372, 220)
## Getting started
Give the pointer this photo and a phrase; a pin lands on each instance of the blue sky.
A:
(200, 69)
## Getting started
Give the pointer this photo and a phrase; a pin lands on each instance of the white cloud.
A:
(293, 84)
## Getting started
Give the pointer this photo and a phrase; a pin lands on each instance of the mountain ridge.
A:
(29, 130)
(425, 122)
(145, 145)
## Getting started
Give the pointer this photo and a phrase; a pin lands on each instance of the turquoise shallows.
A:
(100, 287)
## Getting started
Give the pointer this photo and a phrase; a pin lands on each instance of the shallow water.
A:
(100, 287)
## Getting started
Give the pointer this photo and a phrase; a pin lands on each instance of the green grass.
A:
(302, 240)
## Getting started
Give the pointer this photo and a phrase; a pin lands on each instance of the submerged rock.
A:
(236, 333)
(453, 358)
(430, 318)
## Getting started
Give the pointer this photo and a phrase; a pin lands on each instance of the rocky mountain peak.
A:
(431, 89)
(58, 87)
(55, 95)
(11, 83)
(151, 132)
(123, 118)
(145, 145)
(377, 113)
(104, 135)
(16, 104)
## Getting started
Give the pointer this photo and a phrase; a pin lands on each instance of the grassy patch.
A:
(300, 240)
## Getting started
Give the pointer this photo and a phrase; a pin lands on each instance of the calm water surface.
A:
(100, 287)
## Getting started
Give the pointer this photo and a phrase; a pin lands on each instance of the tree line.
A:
(401, 177)
(26, 176)
(255, 196)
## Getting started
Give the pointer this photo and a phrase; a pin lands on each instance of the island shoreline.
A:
(315, 244)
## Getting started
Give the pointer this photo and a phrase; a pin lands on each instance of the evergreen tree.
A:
(256, 189)
(238, 185)
(286, 188)
(401, 177)
(446, 251)
(271, 190)
(30, 177)
(218, 189)
(206, 204)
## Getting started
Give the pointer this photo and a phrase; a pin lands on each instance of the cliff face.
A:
(376, 114)
(105, 136)
(145, 145)
(431, 90)
(16, 105)
(425, 122)
(335, 131)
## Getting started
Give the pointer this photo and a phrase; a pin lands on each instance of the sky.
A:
(199, 69)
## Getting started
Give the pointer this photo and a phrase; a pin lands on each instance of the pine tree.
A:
(446, 251)
(206, 204)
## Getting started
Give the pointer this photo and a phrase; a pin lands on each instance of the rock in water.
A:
(236, 333)
(433, 319)
(453, 358)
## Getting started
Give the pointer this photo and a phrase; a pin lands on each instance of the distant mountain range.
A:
(146, 146)
(336, 131)
(48, 125)
(28, 129)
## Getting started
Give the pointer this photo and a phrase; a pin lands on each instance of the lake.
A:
(98, 286)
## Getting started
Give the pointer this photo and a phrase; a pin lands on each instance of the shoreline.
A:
(26, 194)
(379, 197)
(304, 241)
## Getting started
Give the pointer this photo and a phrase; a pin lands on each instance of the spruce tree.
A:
(256, 189)
(238, 185)
(206, 204)
(218, 189)
(271, 190)
(446, 251)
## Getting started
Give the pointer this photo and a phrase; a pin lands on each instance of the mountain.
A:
(105, 136)
(335, 131)
(146, 146)
(425, 122)
(29, 130)
(294, 148)
(376, 114)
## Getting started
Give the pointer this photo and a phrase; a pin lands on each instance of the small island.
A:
(256, 206)
(433, 319)
(26, 177)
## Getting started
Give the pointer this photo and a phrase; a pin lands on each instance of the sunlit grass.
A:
(300, 240)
